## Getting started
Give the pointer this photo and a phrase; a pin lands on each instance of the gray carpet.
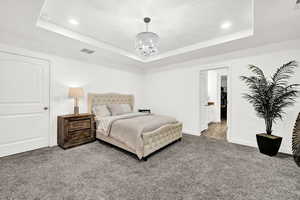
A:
(195, 168)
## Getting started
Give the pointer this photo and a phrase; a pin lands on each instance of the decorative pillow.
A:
(101, 111)
(119, 109)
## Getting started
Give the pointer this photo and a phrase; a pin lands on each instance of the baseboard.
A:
(282, 149)
(22, 146)
(242, 142)
(191, 132)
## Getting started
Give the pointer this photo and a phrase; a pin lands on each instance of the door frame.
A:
(25, 53)
(229, 97)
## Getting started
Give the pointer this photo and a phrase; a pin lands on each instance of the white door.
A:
(203, 101)
(24, 104)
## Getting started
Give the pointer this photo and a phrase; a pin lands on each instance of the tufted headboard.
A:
(109, 98)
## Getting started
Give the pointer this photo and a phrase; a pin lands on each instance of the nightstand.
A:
(145, 110)
(74, 130)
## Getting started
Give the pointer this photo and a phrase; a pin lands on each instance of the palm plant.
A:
(269, 97)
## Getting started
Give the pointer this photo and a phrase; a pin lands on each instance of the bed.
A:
(139, 133)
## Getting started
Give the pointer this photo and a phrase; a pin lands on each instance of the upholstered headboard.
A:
(109, 98)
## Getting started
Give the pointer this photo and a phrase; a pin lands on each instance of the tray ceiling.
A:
(183, 26)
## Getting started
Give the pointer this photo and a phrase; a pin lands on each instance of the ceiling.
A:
(180, 24)
(188, 29)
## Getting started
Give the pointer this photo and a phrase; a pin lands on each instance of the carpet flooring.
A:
(195, 168)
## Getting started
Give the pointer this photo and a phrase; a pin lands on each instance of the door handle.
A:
(46, 108)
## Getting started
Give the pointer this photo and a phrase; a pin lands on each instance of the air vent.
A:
(87, 51)
(298, 4)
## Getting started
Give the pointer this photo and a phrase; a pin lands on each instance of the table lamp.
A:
(76, 93)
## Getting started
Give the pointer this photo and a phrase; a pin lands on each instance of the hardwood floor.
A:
(216, 130)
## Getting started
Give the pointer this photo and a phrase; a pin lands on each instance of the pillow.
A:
(126, 108)
(119, 109)
(101, 111)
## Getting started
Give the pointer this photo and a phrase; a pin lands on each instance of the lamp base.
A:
(76, 110)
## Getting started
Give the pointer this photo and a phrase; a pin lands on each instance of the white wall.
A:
(94, 79)
(67, 73)
(212, 85)
(213, 95)
(175, 92)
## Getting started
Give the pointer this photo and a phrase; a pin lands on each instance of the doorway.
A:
(224, 90)
(214, 103)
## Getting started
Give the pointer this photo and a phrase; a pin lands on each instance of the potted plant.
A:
(269, 97)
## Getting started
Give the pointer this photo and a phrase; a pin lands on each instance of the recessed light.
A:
(73, 22)
(226, 25)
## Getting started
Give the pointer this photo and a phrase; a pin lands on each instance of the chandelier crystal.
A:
(146, 43)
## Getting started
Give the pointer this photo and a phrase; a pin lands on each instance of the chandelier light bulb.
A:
(146, 43)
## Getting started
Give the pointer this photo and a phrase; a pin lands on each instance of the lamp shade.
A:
(76, 92)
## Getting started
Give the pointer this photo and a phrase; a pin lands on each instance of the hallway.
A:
(216, 130)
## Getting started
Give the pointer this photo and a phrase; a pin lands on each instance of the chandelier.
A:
(146, 43)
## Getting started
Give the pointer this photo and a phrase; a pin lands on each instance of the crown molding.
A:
(99, 44)
(85, 39)
(221, 59)
(201, 45)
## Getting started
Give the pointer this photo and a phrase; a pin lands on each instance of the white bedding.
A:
(104, 122)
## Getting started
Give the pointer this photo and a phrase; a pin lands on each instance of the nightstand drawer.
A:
(76, 138)
(74, 130)
(80, 134)
(79, 124)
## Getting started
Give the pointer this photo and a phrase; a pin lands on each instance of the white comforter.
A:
(103, 124)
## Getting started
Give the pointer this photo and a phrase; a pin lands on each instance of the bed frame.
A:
(153, 140)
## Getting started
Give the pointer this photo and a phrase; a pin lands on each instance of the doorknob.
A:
(46, 108)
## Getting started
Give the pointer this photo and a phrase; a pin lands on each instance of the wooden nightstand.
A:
(74, 130)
